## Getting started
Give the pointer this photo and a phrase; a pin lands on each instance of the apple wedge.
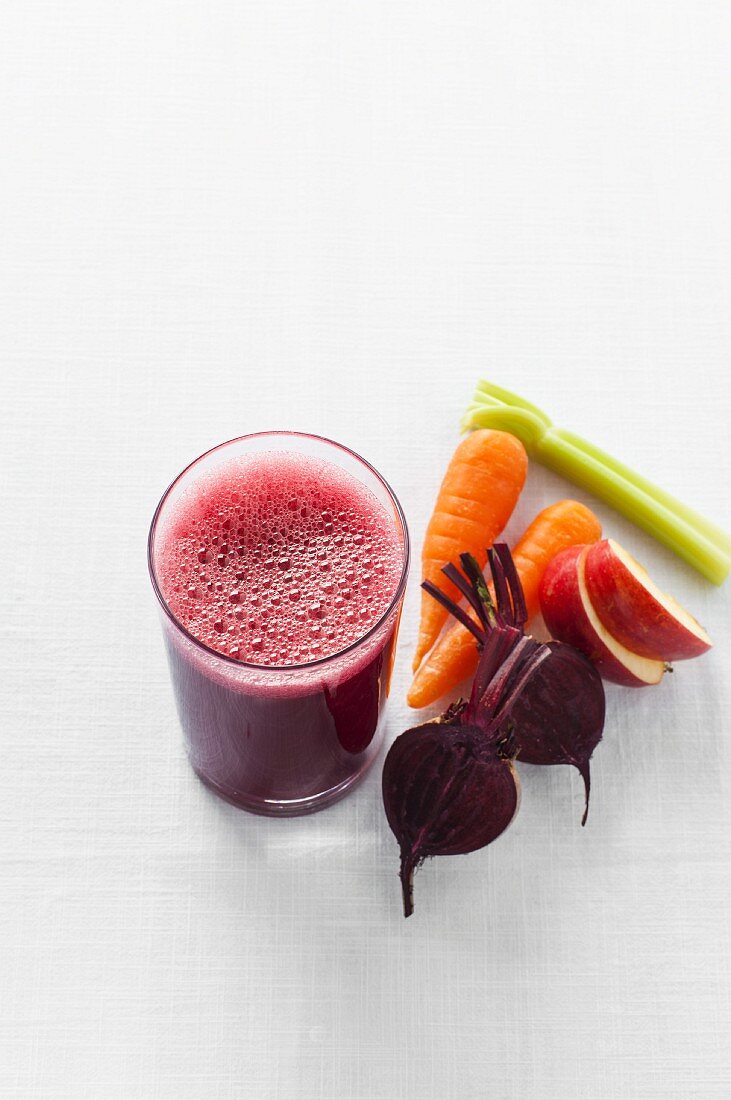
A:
(570, 617)
(635, 611)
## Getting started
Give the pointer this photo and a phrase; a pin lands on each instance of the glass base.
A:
(295, 807)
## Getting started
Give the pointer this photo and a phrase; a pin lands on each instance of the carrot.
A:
(476, 499)
(454, 657)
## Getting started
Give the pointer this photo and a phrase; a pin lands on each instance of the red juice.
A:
(281, 574)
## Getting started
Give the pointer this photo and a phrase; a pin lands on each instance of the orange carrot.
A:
(454, 657)
(476, 499)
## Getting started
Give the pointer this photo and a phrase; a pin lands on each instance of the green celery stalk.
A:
(692, 537)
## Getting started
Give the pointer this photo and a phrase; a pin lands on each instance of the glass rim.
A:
(305, 666)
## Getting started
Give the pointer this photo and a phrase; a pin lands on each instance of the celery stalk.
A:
(695, 539)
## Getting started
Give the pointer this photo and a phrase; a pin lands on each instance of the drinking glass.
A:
(281, 740)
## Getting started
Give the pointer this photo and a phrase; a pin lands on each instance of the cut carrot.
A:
(476, 499)
(454, 657)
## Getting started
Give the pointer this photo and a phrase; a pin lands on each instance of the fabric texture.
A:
(221, 218)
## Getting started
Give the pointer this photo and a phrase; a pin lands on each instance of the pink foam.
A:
(279, 559)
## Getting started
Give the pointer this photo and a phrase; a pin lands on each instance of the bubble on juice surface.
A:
(288, 543)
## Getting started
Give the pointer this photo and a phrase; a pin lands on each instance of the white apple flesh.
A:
(635, 611)
(570, 617)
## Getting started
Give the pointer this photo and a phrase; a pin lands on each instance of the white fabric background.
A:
(223, 217)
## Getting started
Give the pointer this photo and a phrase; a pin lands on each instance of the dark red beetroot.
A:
(449, 786)
(559, 718)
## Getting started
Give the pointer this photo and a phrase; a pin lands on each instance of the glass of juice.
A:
(279, 561)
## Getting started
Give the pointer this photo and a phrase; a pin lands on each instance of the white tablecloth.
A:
(224, 217)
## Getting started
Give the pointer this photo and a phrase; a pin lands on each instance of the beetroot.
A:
(449, 785)
(445, 797)
(560, 718)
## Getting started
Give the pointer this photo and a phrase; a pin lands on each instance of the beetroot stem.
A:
(487, 689)
(520, 614)
(453, 609)
(502, 593)
(475, 576)
(509, 681)
(452, 573)
(536, 658)
(496, 648)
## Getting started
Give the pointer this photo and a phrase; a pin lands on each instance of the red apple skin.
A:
(633, 615)
(567, 620)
